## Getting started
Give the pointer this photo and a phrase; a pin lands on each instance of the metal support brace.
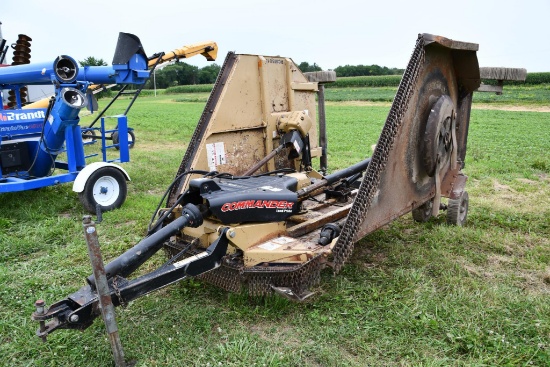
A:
(322, 128)
(322, 77)
(103, 291)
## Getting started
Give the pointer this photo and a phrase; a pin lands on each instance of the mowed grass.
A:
(513, 95)
(412, 294)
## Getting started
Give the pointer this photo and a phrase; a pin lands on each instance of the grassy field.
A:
(412, 295)
(514, 95)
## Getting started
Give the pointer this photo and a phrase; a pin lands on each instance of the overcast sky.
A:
(330, 33)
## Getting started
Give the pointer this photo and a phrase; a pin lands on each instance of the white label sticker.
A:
(271, 188)
(282, 240)
(296, 146)
(269, 246)
(215, 153)
(189, 260)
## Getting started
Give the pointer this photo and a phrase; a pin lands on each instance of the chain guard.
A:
(232, 276)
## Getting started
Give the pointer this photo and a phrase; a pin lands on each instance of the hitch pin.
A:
(40, 310)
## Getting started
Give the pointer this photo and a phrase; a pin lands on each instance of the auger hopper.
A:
(247, 210)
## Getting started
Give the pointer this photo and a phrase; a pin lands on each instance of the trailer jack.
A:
(79, 309)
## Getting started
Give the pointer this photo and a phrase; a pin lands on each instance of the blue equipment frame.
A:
(76, 158)
(32, 139)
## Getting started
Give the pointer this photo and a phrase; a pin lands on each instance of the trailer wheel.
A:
(424, 212)
(106, 187)
(88, 136)
(131, 139)
(457, 210)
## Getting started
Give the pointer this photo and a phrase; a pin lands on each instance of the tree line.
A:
(354, 70)
(366, 70)
(185, 74)
(181, 73)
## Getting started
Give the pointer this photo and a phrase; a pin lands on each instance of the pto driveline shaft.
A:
(334, 177)
(132, 259)
(266, 159)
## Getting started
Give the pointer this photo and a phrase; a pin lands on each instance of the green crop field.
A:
(532, 95)
(514, 95)
(412, 294)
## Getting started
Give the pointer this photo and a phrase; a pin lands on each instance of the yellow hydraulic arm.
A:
(208, 49)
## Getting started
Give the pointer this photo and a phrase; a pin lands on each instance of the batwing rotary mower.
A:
(247, 211)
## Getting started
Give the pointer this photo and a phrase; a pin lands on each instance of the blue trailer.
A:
(33, 140)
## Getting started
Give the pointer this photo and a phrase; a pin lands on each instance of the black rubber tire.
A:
(131, 139)
(424, 212)
(115, 184)
(88, 136)
(457, 210)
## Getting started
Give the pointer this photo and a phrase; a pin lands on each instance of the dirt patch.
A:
(167, 145)
(485, 106)
(155, 192)
(546, 277)
(498, 268)
(515, 197)
(500, 260)
(270, 333)
(475, 106)
(527, 181)
(472, 270)
(129, 223)
(536, 282)
(359, 103)
(500, 187)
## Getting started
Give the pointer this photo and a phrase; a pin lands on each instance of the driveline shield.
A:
(253, 199)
